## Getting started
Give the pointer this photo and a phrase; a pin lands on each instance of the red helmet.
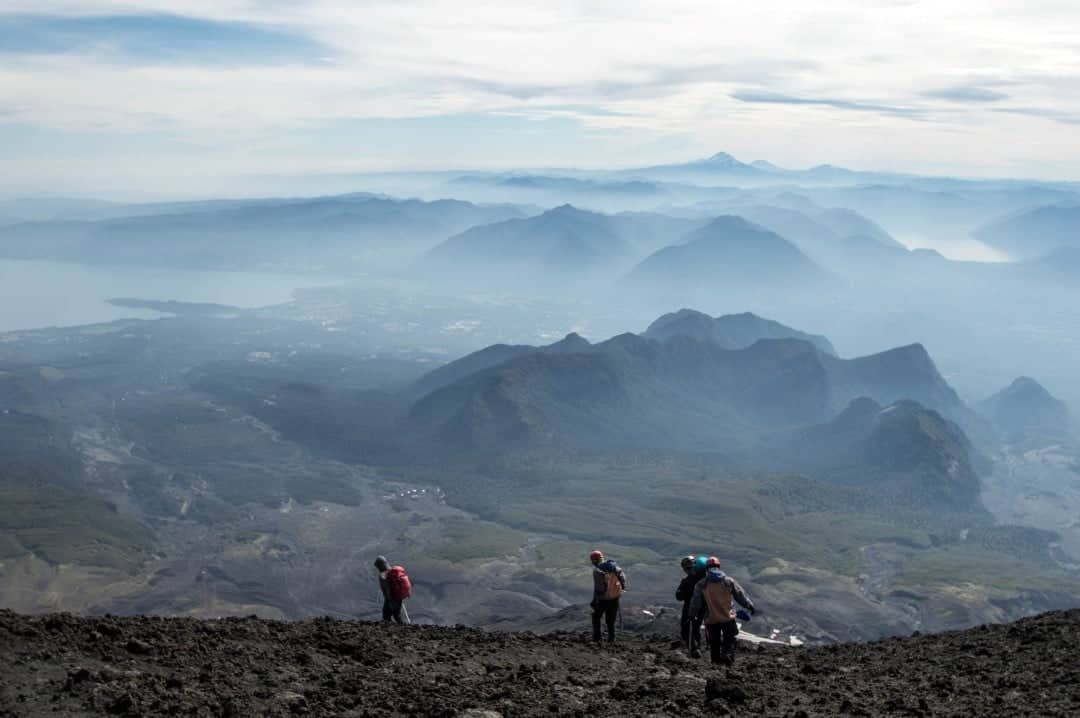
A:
(596, 556)
(712, 562)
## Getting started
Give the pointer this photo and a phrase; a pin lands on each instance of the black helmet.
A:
(381, 563)
(687, 563)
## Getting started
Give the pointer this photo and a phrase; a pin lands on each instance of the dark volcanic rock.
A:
(241, 667)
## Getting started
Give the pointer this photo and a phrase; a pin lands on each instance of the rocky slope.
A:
(68, 666)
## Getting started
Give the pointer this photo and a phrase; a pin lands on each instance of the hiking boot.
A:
(695, 653)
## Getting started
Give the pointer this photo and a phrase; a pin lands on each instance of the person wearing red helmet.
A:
(713, 601)
(609, 583)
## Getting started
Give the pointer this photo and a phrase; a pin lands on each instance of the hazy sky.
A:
(152, 89)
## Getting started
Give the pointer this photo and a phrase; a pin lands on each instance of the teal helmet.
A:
(701, 563)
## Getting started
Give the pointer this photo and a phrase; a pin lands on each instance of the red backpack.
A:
(399, 583)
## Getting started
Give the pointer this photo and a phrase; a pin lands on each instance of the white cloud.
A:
(654, 68)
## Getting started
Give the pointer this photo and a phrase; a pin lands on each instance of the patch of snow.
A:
(754, 638)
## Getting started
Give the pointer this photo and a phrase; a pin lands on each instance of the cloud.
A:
(631, 80)
(155, 38)
(670, 74)
(1047, 113)
(776, 98)
(965, 93)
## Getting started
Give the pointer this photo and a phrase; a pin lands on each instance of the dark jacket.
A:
(685, 591)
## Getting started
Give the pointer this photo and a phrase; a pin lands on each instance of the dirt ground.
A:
(63, 665)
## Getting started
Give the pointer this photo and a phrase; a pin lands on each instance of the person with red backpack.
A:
(396, 589)
(609, 583)
(713, 596)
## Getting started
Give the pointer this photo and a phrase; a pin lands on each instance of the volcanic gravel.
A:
(63, 665)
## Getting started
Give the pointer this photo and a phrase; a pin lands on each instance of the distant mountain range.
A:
(928, 209)
(1035, 232)
(343, 232)
(724, 165)
(848, 223)
(688, 383)
(907, 204)
(1026, 408)
(720, 164)
(916, 448)
(837, 239)
(729, 251)
(562, 244)
(763, 246)
(731, 331)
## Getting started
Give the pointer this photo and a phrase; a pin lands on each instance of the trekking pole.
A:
(405, 615)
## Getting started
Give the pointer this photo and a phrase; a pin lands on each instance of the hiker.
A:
(690, 630)
(609, 583)
(396, 589)
(713, 601)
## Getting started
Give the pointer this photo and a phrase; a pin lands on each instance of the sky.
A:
(154, 93)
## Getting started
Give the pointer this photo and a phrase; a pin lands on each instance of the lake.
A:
(34, 294)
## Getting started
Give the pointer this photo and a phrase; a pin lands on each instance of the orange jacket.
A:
(715, 597)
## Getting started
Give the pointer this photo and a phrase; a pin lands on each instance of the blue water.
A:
(35, 294)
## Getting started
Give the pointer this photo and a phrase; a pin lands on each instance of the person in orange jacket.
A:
(609, 583)
(714, 601)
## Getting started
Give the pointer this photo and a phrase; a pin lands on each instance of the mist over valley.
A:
(240, 402)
